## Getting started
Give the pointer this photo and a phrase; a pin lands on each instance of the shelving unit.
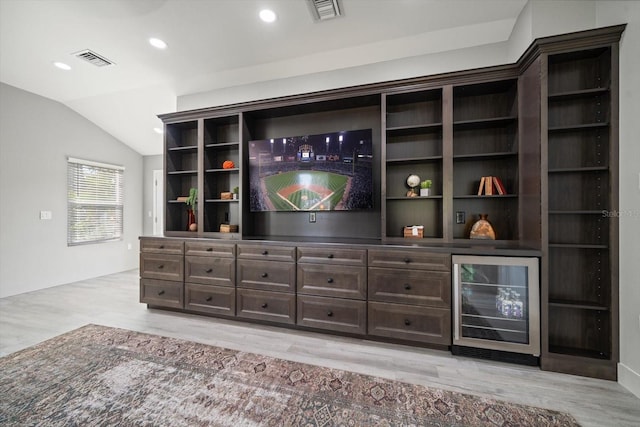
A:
(221, 143)
(547, 126)
(181, 166)
(413, 145)
(582, 187)
(485, 143)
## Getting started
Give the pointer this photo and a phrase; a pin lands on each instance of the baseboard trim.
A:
(629, 379)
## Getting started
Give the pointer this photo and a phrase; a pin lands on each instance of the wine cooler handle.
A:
(456, 302)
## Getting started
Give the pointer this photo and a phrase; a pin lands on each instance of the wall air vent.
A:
(93, 58)
(324, 9)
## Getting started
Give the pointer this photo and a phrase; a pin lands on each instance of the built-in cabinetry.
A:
(398, 294)
(410, 295)
(546, 127)
(162, 272)
(582, 157)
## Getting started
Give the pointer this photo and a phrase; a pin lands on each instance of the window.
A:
(94, 202)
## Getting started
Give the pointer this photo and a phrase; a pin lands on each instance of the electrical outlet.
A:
(312, 217)
(460, 217)
(45, 215)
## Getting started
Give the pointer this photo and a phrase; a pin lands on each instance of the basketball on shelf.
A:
(228, 164)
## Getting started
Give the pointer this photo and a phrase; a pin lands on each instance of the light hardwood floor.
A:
(112, 300)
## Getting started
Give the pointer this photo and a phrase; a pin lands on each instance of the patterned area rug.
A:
(99, 376)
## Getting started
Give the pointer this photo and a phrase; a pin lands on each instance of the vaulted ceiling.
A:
(213, 44)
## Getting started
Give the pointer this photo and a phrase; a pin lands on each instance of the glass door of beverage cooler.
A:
(497, 303)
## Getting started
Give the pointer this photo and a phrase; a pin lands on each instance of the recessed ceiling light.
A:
(158, 130)
(62, 66)
(157, 43)
(267, 15)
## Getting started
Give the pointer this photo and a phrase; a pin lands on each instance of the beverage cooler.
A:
(497, 307)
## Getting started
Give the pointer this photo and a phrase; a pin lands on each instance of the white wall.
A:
(610, 13)
(36, 136)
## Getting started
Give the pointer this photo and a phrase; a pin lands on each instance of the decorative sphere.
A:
(413, 181)
(193, 227)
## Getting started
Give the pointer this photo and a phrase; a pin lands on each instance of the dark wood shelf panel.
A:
(222, 200)
(220, 170)
(223, 144)
(184, 148)
(484, 123)
(183, 172)
(414, 129)
(578, 127)
(577, 246)
(484, 156)
(579, 352)
(493, 196)
(580, 305)
(575, 212)
(414, 198)
(572, 94)
(580, 169)
(415, 159)
(176, 201)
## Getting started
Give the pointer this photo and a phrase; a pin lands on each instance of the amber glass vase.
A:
(482, 229)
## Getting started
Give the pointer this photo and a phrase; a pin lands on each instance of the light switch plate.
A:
(312, 217)
(45, 215)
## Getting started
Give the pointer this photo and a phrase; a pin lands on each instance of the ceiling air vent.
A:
(324, 9)
(93, 58)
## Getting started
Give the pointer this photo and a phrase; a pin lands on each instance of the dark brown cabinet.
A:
(209, 277)
(266, 283)
(162, 272)
(545, 126)
(580, 284)
(409, 295)
(332, 289)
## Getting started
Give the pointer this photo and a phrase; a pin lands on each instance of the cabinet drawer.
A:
(162, 293)
(162, 246)
(332, 280)
(266, 252)
(332, 314)
(427, 288)
(210, 271)
(210, 249)
(408, 322)
(409, 259)
(337, 256)
(160, 266)
(210, 299)
(267, 275)
(263, 305)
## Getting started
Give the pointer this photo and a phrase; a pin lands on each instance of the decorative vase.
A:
(482, 229)
(191, 220)
(425, 192)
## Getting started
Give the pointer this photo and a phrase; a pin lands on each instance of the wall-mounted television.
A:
(327, 172)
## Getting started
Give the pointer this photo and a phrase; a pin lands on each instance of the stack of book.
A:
(490, 186)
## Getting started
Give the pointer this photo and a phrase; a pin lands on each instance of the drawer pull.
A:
(330, 280)
(407, 286)
(264, 305)
(265, 252)
(407, 322)
(407, 260)
(265, 274)
(209, 249)
(160, 266)
(209, 270)
(209, 298)
(161, 247)
(161, 293)
(330, 256)
(329, 313)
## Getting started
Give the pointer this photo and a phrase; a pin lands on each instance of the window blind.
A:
(95, 202)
